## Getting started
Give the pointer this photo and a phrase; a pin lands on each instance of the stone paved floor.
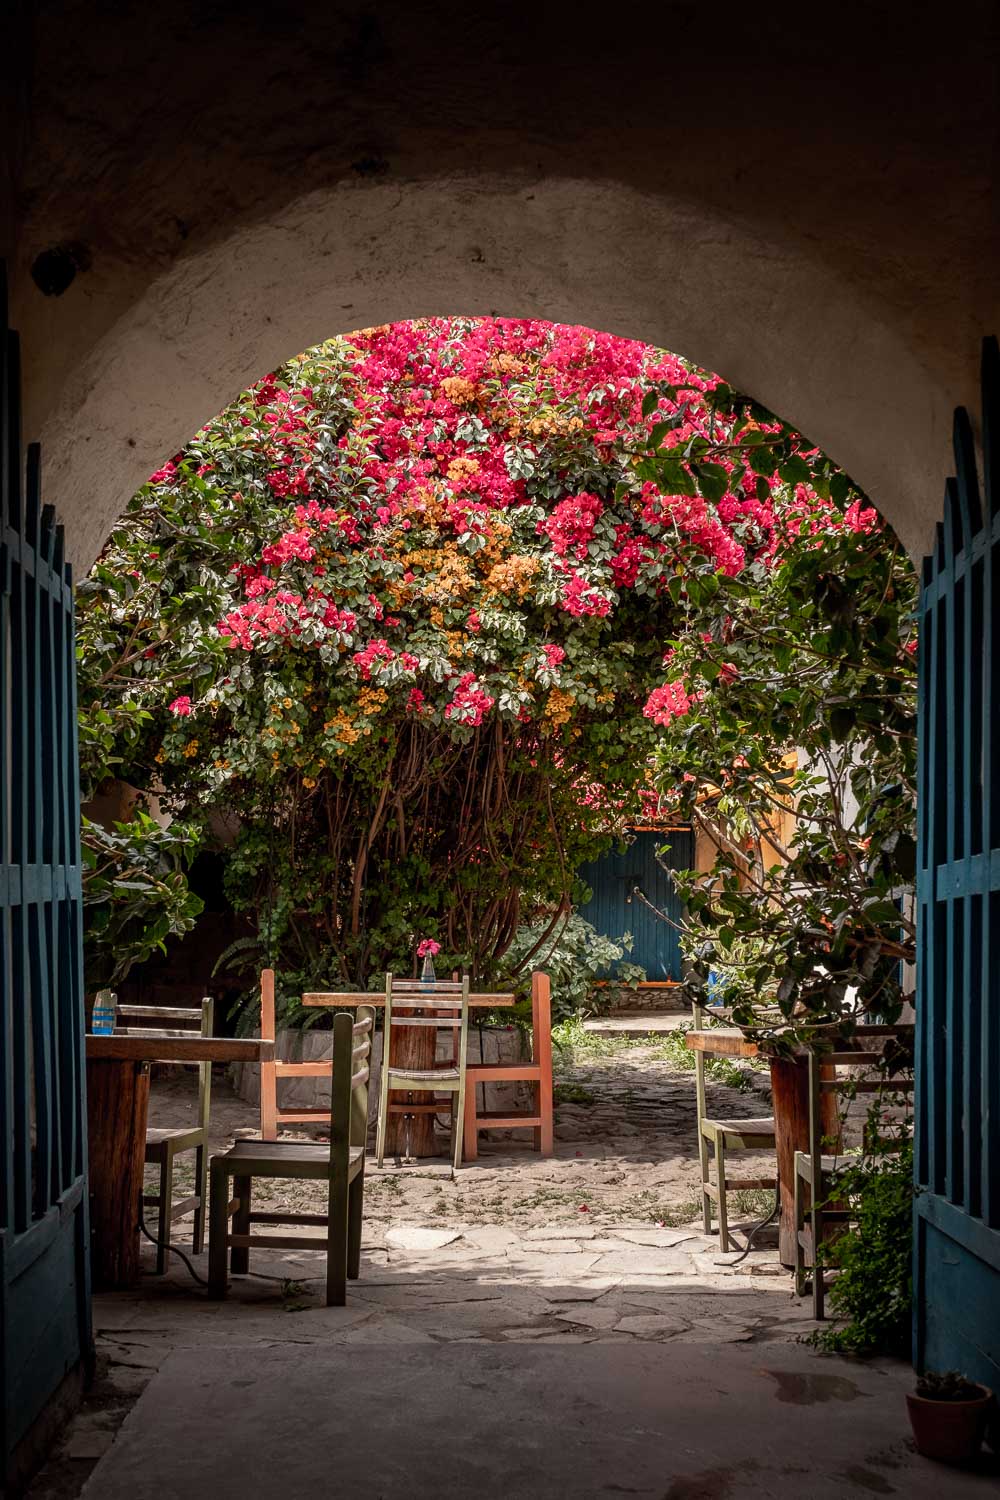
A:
(600, 1243)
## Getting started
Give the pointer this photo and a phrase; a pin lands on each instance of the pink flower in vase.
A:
(428, 948)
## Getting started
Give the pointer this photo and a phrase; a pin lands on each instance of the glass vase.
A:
(427, 974)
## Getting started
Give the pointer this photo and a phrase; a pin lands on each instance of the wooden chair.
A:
(717, 1138)
(815, 1169)
(413, 995)
(537, 1071)
(164, 1144)
(341, 1165)
(272, 1117)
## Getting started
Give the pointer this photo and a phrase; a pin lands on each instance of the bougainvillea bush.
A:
(395, 622)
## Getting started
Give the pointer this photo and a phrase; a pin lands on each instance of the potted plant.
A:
(948, 1415)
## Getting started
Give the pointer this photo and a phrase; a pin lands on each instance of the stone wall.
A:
(651, 997)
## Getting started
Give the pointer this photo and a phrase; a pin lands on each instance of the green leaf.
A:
(795, 470)
(713, 480)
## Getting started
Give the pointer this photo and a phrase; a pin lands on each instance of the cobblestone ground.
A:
(603, 1241)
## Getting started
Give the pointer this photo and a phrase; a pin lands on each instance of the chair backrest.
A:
(541, 1019)
(134, 1020)
(272, 1116)
(857, 1065)
(698, 1024)
(352, 1047)
(414, 1003)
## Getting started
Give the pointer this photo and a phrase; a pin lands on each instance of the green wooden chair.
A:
(818, 1213)
(164, 1144)
(414, 995)
(716, 1139)
(341, 1165)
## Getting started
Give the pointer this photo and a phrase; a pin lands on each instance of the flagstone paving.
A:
(601, 1243)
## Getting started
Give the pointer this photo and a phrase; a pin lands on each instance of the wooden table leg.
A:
(117, 1099)
(790, 1097)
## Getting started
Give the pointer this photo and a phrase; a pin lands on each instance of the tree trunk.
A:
(790, 1095)
(117, 1098)
(413, 1047)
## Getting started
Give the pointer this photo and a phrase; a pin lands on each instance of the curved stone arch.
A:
(672, 273)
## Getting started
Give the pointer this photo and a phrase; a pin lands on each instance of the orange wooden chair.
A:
(271, 1117)
(537, 1071)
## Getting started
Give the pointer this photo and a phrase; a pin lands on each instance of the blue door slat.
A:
(44, 1258)
(957, 1161)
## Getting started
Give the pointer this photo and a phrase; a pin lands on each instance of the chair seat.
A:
(440, 1076)
(762, 1128)
(828, 1165)
(274, 1158)
(159, 1136)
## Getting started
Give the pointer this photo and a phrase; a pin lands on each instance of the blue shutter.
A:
(45, 1308)
(957, 1249)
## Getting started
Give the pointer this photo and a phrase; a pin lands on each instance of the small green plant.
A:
(677, 1215)
(573, 957)
(573, 1093)
(292, 1295)
(947, 1385)
(753, 1203)
(573, 1042)
(873, 1293)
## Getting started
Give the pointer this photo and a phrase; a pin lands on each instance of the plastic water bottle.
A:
(103, 1017)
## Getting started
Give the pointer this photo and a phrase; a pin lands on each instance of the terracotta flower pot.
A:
(950, 1431)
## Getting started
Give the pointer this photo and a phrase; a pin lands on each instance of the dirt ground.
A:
(625, 1148)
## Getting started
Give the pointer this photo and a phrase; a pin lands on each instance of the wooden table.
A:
(790, 1100)
(117, 1101)
(415, 1048)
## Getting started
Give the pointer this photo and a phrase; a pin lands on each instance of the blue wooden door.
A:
(957, 1250)
(619, 883)
(44, 1292)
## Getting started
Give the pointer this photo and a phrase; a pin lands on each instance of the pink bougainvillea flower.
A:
(428, 948)
(470, 703)
(181, 706)
(667, 703)
(370, 659)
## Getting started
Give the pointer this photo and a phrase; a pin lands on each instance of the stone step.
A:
(636, 1022)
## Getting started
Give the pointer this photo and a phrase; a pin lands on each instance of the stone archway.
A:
(668, 271)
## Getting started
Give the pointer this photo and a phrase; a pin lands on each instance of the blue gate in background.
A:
(615, 909)
(44, 1290)
(957, 1251)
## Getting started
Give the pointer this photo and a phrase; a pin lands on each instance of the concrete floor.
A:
(519, 1422)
